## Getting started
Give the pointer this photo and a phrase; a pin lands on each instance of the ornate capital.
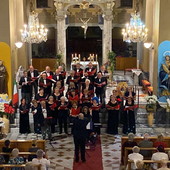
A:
(108, 16)
(110, 5)
(58, 5)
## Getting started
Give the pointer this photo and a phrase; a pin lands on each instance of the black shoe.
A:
(83, 160)
(76, 160)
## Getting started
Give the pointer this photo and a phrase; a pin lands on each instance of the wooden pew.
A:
(145, 162)
(130, 148)
(24, 145)
(139, 139)
(9, 166)
(20, 153)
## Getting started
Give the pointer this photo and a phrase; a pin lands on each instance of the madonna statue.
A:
(165, 74)
(2, 78)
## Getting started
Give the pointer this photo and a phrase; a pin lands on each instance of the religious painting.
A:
(164, 70)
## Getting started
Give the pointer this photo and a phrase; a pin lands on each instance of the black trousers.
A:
(34, 88)
(79, 146)
(62, 119)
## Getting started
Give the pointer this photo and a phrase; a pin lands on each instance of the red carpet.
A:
(93, 159)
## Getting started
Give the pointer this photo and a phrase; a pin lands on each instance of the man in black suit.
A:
(100, 83)
(79, 135)
(58, 77)
(105, 75)
(78, 73)
(91, 71)
(48, 71)
(25, 83)
(73, 78)
(33, 75)
(46, 84)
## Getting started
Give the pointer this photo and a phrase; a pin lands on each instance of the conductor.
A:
(80, 134)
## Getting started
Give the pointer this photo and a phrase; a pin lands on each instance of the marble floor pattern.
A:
(61, 152)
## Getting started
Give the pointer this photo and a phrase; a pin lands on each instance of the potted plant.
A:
(58, 60)
(111, 62)
(151, 107)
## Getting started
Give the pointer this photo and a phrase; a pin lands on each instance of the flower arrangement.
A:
(151, 103)
(151, 99)
(6, 109)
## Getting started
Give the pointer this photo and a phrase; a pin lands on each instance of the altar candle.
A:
(72, 56)
(90, 55)
(75, 54)
(96, 57)
(79, 57)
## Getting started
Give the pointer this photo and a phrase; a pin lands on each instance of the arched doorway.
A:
(76, 43)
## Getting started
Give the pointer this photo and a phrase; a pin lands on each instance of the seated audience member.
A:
(160, 141)
(129, 143)
(16, 159)
(159, 155)
(145, 143)
(34, 148)
(140, 165)
(6, 149)
(135, 156)
(45, 163)
(163, 165)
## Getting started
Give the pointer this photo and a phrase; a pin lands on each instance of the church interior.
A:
(85, 84)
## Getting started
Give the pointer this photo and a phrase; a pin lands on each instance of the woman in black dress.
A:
(38, 116)
(52, 115)
(113, 115)
(24, 117)
(40, 96)
(63, 111)
(95, 114)
(129, 117)
(57, 95)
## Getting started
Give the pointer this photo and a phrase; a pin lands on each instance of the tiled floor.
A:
(61, 152)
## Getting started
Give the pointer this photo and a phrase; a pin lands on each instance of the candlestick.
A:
(96, 57)
(79, 57)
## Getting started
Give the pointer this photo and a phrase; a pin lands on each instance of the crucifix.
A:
(85, 26)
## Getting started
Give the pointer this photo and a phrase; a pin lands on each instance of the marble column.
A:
(107, 35)
(61, 37)
(61, 29)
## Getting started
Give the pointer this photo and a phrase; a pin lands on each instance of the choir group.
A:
(51, 103)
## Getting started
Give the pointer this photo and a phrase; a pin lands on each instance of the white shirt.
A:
(44, 163)
(57, 77)
(25, 78)
(45, 82)
(135, 157)
(32, 74)
(157, 157)
(48, 74)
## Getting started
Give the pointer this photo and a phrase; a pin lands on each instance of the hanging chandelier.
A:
(34, 32)
(135, 31)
